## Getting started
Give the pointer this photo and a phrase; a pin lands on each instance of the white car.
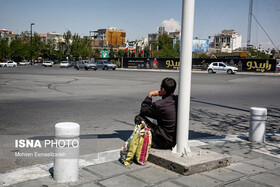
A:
(47, 63)
(9, 63)
(24, 63)
(64, 64)
(221, 67)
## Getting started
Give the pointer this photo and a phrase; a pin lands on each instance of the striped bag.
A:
(144, 146)
(137, 147)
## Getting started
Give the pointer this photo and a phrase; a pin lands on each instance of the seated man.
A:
(164, 111)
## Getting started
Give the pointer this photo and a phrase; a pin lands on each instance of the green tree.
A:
(121, 53)
(166, 49)
(4, 49)
(18, 50)
(111, 52)
(96, 53)
(37, 46)
(48, 50)
(81, 47)
(67, 37)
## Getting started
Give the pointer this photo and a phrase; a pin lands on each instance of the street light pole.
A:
(182, 137)
(31, 50)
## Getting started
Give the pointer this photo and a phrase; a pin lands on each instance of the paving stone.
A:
(236, 158)
(89, 184)
(276, 171)
(267, 178)
(232, 146)
(84, 177)
(245, 168)
(122, 180)
(167, 184)
(223, 174)
(197, 180)
(108, 169)
(243, 182)
(153, 175)
(264, 163)
(45, 181)
(135, 166)
(247, 153)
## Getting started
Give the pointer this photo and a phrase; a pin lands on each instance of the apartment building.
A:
(227, 41)
(108, 37)
(153, 37)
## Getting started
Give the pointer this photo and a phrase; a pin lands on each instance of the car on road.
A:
(105, 65)
(71, 63)
(24, 63)
(85, 64)
(64, 64)
(9, 63)
(221, 67)
(79, 64)
(90, 65)
(47, 63)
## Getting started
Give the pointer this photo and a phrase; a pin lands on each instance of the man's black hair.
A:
(169, 84)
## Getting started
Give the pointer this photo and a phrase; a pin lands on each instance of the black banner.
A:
(253, 65)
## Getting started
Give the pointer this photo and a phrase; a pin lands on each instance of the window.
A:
(228, 39)
(215, 64)
(222, 65)
(217, 40)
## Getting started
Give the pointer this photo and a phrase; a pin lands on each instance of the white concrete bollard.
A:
(66, 165)
(257, 124)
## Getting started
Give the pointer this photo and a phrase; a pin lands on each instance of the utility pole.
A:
(182, 146)
(249, 23)
(31, 50)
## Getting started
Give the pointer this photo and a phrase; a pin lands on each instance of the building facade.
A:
(110, 37)
(7, 35)
(153, 37)
(227, 41)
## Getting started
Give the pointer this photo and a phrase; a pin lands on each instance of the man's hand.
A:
(154, 93)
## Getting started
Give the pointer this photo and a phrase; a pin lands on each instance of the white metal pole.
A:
(185, 77)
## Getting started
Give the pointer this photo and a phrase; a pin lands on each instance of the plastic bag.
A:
(137, 146)
(144, 146)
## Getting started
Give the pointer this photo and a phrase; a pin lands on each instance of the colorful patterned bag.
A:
(137, 146)
(144, 146)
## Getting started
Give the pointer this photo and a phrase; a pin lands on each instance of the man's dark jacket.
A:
(165, 112)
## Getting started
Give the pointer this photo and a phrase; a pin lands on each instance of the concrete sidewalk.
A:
(253, 165)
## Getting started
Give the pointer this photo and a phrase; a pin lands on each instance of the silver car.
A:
(90, 65)
(105, 65)
(85, 64)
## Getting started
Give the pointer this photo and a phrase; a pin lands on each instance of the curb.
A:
(197, 71)
(42, 170)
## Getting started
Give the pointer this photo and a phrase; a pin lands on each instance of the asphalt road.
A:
(34, 98)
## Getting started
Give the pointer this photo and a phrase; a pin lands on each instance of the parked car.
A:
(104, 64)
(24, 63)
(90, 65)
(85, 64)
(64, 64)
(221, 67)
(71, 63)
(9, 63)
(79, 64)
(47, 63)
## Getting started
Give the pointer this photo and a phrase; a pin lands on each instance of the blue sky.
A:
(140, 17)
